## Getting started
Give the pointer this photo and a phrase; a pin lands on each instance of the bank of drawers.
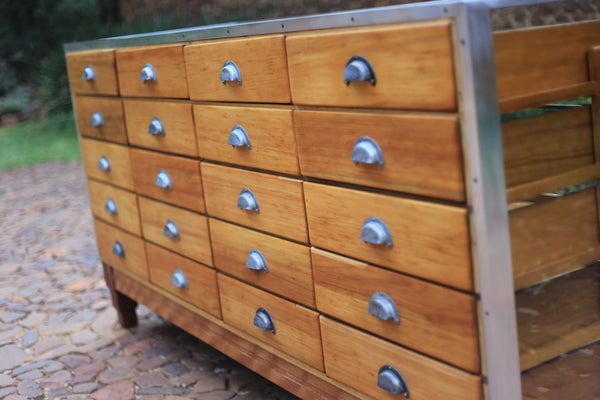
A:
(259, 215)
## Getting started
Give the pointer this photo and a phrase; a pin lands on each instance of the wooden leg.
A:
(124, 305)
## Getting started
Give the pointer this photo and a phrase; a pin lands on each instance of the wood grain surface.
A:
(111, 110)
(127, 217)
(103, 64)
(118, 157)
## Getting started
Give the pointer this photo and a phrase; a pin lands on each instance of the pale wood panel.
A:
(127, 217)
(184, 174)
(103, 64)
(280, 200)
(133, 246)
(354, 358)
(261, 61)
(413, 65)
(430, 240)
(167, 62)
(537, 99)
(434, 320)
(289, 266)
(194, 240)
(118, 157)
(297, 331)
(271, 133)
(177, 122)
(111, 110)
(422, 154)
(202, 281)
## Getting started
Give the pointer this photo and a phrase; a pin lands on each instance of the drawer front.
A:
(162, 126)
(297, 331)
(107, 162)
(355, 359)
(428, 240)
(193, 282)
(261, 65)
(284, 267)
(269, 142)
(414, 154)
(412, 63)
(182, 183)
(167, 68)
(121, 249)
(115, 206)
(93, 72)
(187, 232)
(100, 118)
(279, 200)
(432, 319)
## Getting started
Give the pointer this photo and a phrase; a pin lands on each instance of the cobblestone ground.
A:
(59, 336)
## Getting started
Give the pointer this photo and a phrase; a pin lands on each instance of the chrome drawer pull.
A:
(170, 230)
(178, 279)
(111, 207)
(367, 151)
(231, 73)
(357, 69)
(247, 200)
(118, 250)
(88, 74)
(97, 120)
(147, 73)
(163, 181)
(238, 137)
(391, 380)
(375, 231)
(263, 320)
(256, 261)
(104, 164)
(156, 127)
(383, 307)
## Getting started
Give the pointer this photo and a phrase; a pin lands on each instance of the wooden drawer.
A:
(280, 200)
(133, 257)
(115, 206)
(429, 240)
(176, 122)
(297, 330)
(167, 63)
(201, 281)
(270, 134)
(355, 358)
(288, 268)
(101, 118)
(413, 66)
(192, 241)
(419, 154)
(102, 63)
(117, 156)
(261, 62)
(434, 320)
(183, 174)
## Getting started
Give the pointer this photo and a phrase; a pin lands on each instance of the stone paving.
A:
(59, 336)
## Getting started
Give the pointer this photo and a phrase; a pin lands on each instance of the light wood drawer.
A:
(428, 240)
(165, 267)
(97, 155)
(355, 358)
(183, 174)
(115, 206)
(297, 330)
(280, 200)
(270, 132)
(434, 320)
(288, 268)
(418, 154)
(413, 66)
(261, 62)
(191, 238)
(177, 133)
(102, 63)
(101, 118)
(169, 71)
(110, 243)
